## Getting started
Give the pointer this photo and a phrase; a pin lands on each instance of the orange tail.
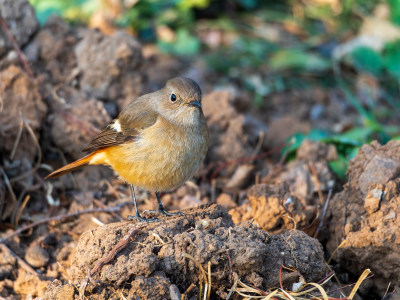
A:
(84, 161)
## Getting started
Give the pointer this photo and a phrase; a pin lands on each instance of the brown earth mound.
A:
(364, 226)
(158, 257)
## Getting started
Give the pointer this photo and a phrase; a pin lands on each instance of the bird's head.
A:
(180, 101)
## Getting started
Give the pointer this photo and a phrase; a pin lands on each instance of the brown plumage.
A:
(157, 142)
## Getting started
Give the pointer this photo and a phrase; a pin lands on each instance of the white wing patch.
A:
(116, 126)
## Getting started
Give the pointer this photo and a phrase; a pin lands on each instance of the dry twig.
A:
(37, 146)
(70, 279)
(321, 222)
(184, 295)
(66, 216)
(22, 262)
(317, 182)
(9, 187)
(16, 47)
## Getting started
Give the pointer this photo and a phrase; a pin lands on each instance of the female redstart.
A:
(158, 141)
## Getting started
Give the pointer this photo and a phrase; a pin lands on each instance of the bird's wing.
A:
(137, 116)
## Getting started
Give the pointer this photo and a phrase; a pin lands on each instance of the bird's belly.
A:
(159, 166)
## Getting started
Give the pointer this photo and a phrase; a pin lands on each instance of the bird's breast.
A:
(163, 158)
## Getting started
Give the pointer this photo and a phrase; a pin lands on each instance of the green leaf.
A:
(354, 137)
(296, 59)
(45, 8)
(339, 166)
(188, 4)
(248, 4)
(367, 60)
(394, 7)
(391, 57)
(294, 142)
(185, 44)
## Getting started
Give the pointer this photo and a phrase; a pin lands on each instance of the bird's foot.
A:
(163, 212)
(141, 219)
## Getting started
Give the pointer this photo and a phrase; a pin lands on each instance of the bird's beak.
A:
(195, 103)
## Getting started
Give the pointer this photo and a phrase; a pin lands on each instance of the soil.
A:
(208, 234)
(249, 216)
(364, 226)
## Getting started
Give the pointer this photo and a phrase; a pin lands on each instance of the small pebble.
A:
(226, 201)
(36, 256)
(371, 202)
(174, 292)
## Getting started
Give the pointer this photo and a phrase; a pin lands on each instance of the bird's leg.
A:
(161, 209)
(137, 215)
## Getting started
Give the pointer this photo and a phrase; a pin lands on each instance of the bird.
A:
(157, 142)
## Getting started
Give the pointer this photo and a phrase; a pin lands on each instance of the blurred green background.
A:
(274, 46)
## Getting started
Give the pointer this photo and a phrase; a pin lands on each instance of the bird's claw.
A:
(163, 212)
(141, 219)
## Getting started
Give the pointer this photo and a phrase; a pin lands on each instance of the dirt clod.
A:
(58, 291)
(226, 201)
(310, 172)
(364, 216)
(21, 102)
(152, 287)
(30, 285)
(36, 256)
(7, 265)
(20, 18)
(51, 52)
(274, 208)
(118, 79)
(227, 128)
(290, 198)
(72, 128)
(152, 264)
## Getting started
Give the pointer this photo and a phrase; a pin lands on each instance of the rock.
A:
(174, 292)
(20, 18)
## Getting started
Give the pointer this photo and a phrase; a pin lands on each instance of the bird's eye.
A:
(173, 98)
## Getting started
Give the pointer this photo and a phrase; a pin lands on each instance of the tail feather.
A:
(84, 161)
